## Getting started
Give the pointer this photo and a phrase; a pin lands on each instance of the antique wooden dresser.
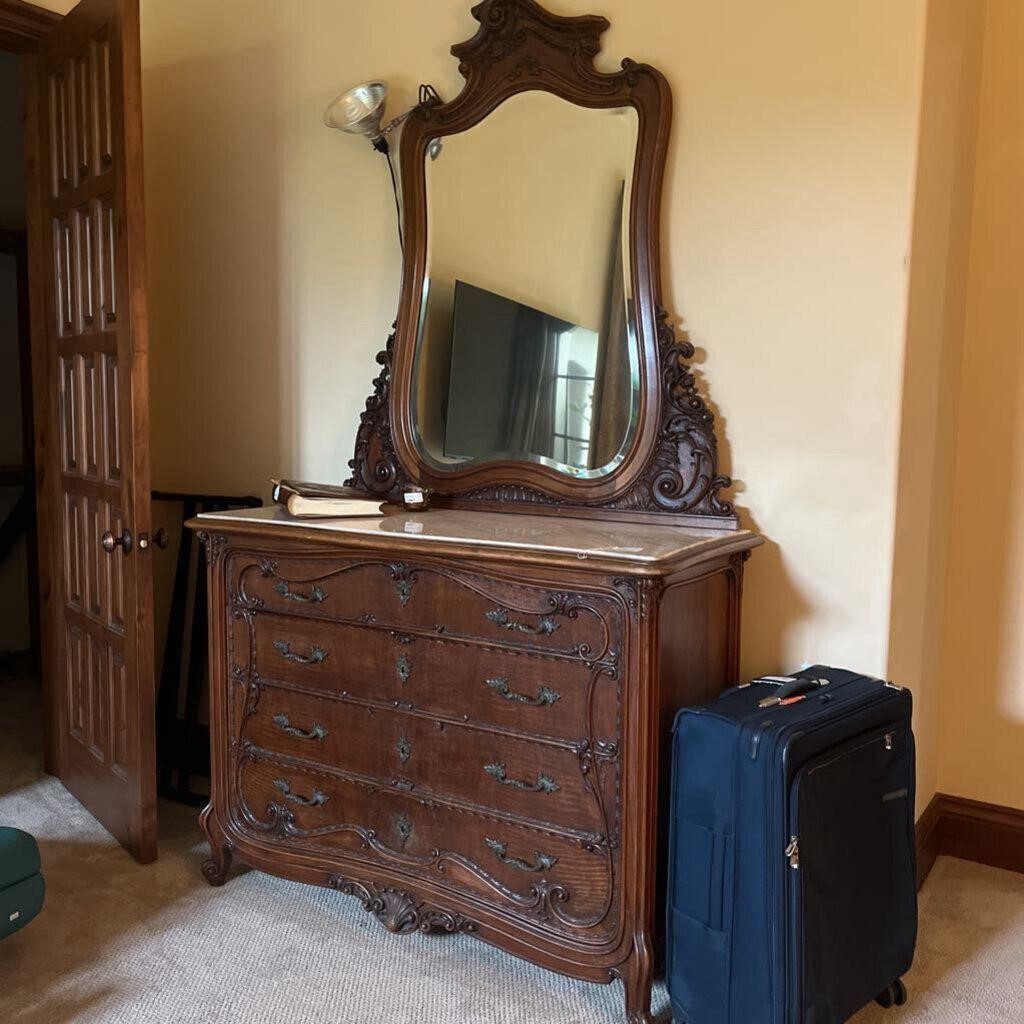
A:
(460, 716)
(461, 719)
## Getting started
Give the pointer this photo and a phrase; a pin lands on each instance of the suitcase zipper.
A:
(793, 852)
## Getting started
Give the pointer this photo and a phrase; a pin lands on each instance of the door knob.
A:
(160, 538)
(109, 542)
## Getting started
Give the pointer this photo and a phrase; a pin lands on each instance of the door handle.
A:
(109, 542)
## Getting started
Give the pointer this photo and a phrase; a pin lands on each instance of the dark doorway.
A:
(19, 583)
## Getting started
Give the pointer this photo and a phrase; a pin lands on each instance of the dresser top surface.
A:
(580, 539)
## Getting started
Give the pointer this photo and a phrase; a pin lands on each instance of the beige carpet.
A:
(155, 945)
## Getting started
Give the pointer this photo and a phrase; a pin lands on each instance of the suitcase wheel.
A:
(894, 995)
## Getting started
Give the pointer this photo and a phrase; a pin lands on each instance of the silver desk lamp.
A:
(360, 110)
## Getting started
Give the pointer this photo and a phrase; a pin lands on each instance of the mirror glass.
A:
(527, 346)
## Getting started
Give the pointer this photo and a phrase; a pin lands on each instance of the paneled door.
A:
(92, 448)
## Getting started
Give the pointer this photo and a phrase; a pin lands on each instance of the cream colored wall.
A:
(931, 372)
(274, 266)
(982, 705)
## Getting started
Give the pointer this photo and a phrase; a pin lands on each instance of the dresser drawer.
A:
(553, 878)
(514, 776)
(425, 597)
(562, 698)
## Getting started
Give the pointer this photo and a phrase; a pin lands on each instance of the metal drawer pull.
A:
(544, 783)
(318, 799)
(545, 627)
(315, 596)
(315, 656)
(403, 826)
(544, 861)
(499, 684)
(403, 667)
(318, 732)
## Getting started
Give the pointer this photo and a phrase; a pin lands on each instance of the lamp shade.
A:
(359, 111)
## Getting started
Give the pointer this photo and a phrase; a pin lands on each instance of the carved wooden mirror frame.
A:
(670, 471)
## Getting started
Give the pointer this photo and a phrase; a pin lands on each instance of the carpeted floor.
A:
(123, 944)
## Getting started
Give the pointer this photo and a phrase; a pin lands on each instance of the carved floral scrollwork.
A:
(214, 544)
(401, 912)
(683, 473)
(374, 464)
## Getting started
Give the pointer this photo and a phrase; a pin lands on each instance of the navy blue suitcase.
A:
(792, 893)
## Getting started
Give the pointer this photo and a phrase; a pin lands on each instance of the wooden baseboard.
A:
(926, 848)
(953, 826)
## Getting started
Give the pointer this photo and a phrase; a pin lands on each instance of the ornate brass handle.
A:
(545, 627)
(318, 799)
(316, 654)
(315, 596)
(545, 695)
(318, 732)
(544, 783)
(544, 861)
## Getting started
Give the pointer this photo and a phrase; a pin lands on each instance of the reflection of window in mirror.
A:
(574, 396)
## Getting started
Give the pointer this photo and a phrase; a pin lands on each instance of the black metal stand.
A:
(183, 743)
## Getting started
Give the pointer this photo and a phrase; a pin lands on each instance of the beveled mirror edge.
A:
(670, 472)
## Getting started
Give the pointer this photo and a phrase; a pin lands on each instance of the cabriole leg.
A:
(637, 975)
(215, 870)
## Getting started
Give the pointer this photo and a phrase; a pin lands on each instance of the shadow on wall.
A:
(219, 359)
(982, 713)
(983, 629)
(932, 366)
(773, 605)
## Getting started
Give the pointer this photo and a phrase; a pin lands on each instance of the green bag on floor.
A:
(21, 884)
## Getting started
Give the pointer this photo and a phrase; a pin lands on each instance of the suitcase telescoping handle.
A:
(793, 687)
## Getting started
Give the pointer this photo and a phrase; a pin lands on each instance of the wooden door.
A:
(92, 448)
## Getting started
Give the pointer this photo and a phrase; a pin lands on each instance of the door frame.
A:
(22, 25)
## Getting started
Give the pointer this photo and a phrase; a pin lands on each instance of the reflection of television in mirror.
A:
(521, 381)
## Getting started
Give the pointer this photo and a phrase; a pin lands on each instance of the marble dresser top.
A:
(581, 539)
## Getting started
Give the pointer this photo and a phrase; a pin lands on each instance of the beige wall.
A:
(982, 706)
(274, 266)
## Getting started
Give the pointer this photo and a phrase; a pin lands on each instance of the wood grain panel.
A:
(63, 246)
(92, 567)
(68, 413)
(107, 257)
(83, 79)
(61, 129)
(111, 420)
(72, 530)
(92, 414)
(77, 669)
(85, 265)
